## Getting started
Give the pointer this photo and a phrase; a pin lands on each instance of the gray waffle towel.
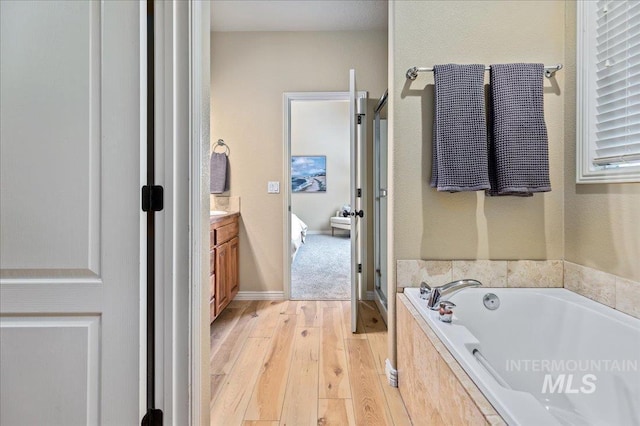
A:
(518, 144)
(459, 129)
(219, 173)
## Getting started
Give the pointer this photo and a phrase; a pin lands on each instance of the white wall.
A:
(322, 128)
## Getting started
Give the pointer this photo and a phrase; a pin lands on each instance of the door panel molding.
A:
(35, 349)
(46, 296)
(54, 166)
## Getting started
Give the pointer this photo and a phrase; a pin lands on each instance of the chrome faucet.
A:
(435, 294)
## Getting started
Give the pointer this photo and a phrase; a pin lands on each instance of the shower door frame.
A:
(380, 218)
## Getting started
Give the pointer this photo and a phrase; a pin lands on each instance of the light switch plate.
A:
(273, 187)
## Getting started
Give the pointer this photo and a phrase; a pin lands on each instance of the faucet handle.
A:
(425, 289)
(446, 304)
(446, 314)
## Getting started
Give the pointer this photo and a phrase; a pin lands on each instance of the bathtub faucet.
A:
(435, 294)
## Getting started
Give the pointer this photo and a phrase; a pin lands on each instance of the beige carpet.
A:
(322, 269)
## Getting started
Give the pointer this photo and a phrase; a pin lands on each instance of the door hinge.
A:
(359, 267)
(152, 198)
(359, 193)
(360, 116)
(152, 418)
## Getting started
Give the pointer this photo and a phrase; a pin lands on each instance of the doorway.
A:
(320, 169)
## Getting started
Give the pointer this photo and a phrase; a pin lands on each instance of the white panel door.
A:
(70, 212)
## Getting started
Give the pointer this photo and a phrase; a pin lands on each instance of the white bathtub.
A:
(537, 335)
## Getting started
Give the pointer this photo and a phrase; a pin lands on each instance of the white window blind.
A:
(618, 83)
(608, 91)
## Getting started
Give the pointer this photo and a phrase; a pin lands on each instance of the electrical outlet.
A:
(273, 187)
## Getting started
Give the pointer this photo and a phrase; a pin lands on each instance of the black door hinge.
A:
(360, 118)
(359, 193)
(360, 267)
(152, 198)
(152, 418)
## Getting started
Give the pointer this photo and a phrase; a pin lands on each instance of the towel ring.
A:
(221, 143)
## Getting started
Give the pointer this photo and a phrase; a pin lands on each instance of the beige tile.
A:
(596, 285)
(470, 387)
(456, 408)
(534, 273)
(495, 421)
(491, 273)
(410, 273)
(418, 377)
(628, 296)
(421, 355)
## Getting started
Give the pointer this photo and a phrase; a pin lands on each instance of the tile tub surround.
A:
(435, 389)
(410, 273)
(608, 289)
(611, 290)
(491, 273)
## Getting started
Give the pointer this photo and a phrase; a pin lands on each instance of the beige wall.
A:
(433, 225)
(249, 73)
(322, 128)
(602, 222)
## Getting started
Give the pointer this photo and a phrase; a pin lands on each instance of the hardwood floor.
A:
(297, 363)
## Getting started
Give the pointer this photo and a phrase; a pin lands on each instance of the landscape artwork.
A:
(309, 173)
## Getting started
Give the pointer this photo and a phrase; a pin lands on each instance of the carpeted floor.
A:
(322, 269)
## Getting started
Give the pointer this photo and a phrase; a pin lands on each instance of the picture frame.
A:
(309, 173)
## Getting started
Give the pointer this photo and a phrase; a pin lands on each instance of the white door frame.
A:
(289, 97)
(199, 130)
(182, 146)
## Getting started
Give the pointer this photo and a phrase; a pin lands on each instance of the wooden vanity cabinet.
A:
(223, 280)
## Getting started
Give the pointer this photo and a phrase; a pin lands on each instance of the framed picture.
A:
(309, 173)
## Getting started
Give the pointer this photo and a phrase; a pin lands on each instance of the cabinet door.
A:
(222, 274)
(233, 282)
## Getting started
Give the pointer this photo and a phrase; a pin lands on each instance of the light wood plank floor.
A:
(297, 363)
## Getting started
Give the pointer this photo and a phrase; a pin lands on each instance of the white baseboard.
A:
(392, 374)
(318, 232)
(277, 295)
(260, 295)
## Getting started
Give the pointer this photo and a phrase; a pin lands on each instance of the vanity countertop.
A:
(214, 218)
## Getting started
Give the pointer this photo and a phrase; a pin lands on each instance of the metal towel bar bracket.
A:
(221, 143)
(549, 71)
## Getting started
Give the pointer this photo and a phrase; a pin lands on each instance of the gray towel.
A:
(459, 129)
(518, 144)
(219, 173)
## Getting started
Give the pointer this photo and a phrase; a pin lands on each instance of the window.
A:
(608, 101)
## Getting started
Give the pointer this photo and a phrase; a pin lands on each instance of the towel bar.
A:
(549, 71)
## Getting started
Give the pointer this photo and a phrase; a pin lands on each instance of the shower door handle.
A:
(358, 213)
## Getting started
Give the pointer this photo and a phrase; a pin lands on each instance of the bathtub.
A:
(545, 356)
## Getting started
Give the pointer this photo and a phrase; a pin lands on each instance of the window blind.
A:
(617, 83)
